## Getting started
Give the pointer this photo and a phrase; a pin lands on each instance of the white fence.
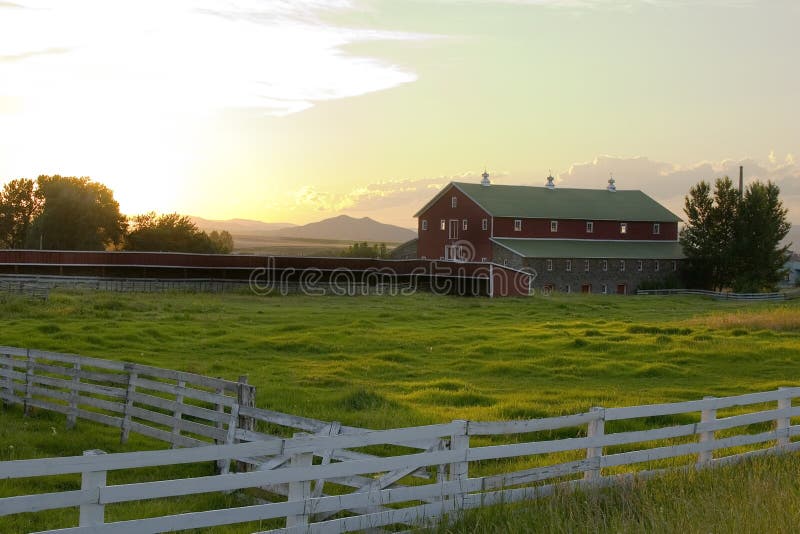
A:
(718, 295)
(467, 464)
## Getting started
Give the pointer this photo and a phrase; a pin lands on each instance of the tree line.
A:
(733, 240)
(69, 213)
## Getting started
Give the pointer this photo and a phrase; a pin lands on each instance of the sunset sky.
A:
(296, 110)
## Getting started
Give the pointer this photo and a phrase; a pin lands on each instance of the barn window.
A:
(589, 227)
(568, 289)
(464, 224)
(424, 224)
(549, 264)
(622, 265)
(623, 228)
(605, 289)
(586, 266)
(517, 225)
(505, 261)
(443, 224)
(657, 266)
(483, 260)
(640, 266)
(424, 257)
(605, 265)
(485, 224)
(454, 202)
(569, 265)
(656, 228)
(674, 265)
(554, 226)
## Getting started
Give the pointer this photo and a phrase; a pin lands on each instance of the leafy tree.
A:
(365, 250)
(760, 228)
(732, 240)
(223, 241)
(76, 214)
(174, 233)
(19, 205)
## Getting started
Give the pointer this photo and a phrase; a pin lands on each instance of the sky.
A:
(297, 110)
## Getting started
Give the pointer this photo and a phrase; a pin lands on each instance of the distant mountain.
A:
(349, 229)
(239, 226)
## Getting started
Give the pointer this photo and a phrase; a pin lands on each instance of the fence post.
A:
(220, 408)
(92, 513)
(126, 416)
(246, 396)
(596, 429)
(460, 470)
(708, 415)
(177, 414)
(301, 490)
(72, 417)
(782, 423)
(28, 382)
(8, 398)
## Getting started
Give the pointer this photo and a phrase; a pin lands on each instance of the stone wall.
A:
(601, 277)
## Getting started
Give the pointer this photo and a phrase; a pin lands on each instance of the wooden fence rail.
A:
(469, 464)
(717, 295)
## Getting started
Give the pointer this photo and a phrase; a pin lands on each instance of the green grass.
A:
(385, 362)
(757, 495)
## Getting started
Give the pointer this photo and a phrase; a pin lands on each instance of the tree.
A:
(76, 214)
(365, 250)
(732, 240)
(19, 205)
(174, 233)
(760, 228)
(223, 241)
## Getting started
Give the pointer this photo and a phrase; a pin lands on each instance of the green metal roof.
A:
(565, 203)
(593, 248)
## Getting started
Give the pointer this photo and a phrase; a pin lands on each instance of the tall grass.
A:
(758, 495)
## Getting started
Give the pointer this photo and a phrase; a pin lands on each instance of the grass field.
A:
(386, 362)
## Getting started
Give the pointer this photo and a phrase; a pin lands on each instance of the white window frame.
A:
(622, 266)
(586, 266)
(423, 257)
(452, 233)
(568, 289)
(549, 265)
(483, 260)
(424, 224)
(589, 227)
(623, 228)
(568, 268)
(464, 224)
(443, 225)
(605, 265)
(505, 262)
(605, 289)
(640, 266)
(554, 226)
(453, 202)
(485, 224)
(517, 225)
(657, 266)
(656, 228)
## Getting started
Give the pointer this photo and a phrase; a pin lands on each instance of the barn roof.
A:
(592, 248)
(524, 201)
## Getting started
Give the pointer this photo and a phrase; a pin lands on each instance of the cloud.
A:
(669, 182)
(279, 56)
(610, 4)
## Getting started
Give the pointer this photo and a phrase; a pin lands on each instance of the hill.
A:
(348, 228)
(239, 226)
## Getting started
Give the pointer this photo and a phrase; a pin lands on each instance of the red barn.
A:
(588, 240)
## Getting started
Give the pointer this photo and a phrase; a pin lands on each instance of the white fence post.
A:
(177, 414)
(72, 418)
(460, 470)
(782, 423)
(126, 416)
(707, 416)
(301, 490)
(245, 396)
(28, 383)
(596, 429)
(93, 513)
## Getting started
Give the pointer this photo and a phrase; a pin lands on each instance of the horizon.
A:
(305, 110)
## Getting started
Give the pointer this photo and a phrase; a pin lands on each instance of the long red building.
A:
(588, 240)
